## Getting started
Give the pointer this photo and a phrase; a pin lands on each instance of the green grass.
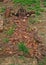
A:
(26, 2)
(22, 47)
(44, 4)
(31, 5)
(5, 40)
(2, 9)
(11, 30)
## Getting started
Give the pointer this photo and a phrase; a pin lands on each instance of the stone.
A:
(24, 20)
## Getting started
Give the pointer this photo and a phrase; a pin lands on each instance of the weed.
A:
(44, 4)
(5, 40)
(11, 30)
(37, 12)
(42, 9)
(2, 9)
(22, 47)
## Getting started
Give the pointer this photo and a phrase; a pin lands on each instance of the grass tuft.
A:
(22, 47)
(31, 5)
(5, 40)
(10, 31)
(2, 9)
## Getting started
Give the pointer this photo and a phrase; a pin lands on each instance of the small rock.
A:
(24, 20)
(28, 15)
(10, 52)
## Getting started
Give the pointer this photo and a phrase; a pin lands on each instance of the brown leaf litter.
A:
(21, 34)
